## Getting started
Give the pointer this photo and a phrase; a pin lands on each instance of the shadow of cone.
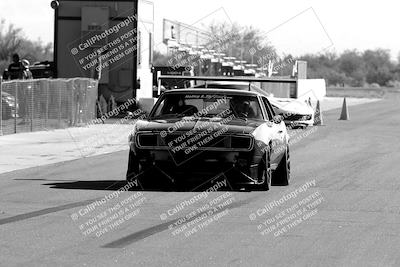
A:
(318, 115)
(345, 113)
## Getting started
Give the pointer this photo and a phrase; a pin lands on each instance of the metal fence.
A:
(35, 105)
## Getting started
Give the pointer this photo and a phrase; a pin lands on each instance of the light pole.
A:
(54, 5)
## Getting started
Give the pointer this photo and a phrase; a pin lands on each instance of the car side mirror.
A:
(277, 119)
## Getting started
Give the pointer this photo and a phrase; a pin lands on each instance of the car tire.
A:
(133, 167)
(265, 172)
(281, 175)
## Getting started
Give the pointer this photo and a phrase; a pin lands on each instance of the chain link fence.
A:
(35, 105)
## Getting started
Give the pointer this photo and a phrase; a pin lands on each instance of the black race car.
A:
(194, 132)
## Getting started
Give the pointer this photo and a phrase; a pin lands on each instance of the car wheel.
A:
(281, 175)
(133, 168)
(265, 175)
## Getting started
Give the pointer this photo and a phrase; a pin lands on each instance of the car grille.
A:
(241, 142)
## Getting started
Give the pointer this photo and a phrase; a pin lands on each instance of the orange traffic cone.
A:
(318, 115)
(345, 113)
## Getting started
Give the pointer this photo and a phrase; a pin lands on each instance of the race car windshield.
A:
(208, 105)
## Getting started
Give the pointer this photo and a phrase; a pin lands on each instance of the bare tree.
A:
(244, 43)
(10, 40)
(13, 41)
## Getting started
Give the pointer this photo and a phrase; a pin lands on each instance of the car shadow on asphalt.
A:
(114, 185)
(111, 185)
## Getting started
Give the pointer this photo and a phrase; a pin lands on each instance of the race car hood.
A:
(238, 126)
(293, 106)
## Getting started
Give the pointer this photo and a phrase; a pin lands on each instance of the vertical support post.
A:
(159, 83)
(85, 109)
(47, 104)
(135, 52)
(55, 44)
(1, 106)
(32, 91)
(59, 106)
(16, 105)
(73, 105)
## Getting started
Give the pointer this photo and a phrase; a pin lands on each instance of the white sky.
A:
(348, 24)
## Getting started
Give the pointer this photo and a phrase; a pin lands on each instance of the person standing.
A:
(27, 74)
(16, 71)
(27, 92)
(16, 68)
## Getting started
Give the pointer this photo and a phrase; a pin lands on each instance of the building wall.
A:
(311, 88)
(277, 89)
(78, 21)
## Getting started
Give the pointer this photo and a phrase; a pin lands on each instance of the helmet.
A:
(25, 63)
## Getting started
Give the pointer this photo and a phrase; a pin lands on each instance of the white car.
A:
(295, 112)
